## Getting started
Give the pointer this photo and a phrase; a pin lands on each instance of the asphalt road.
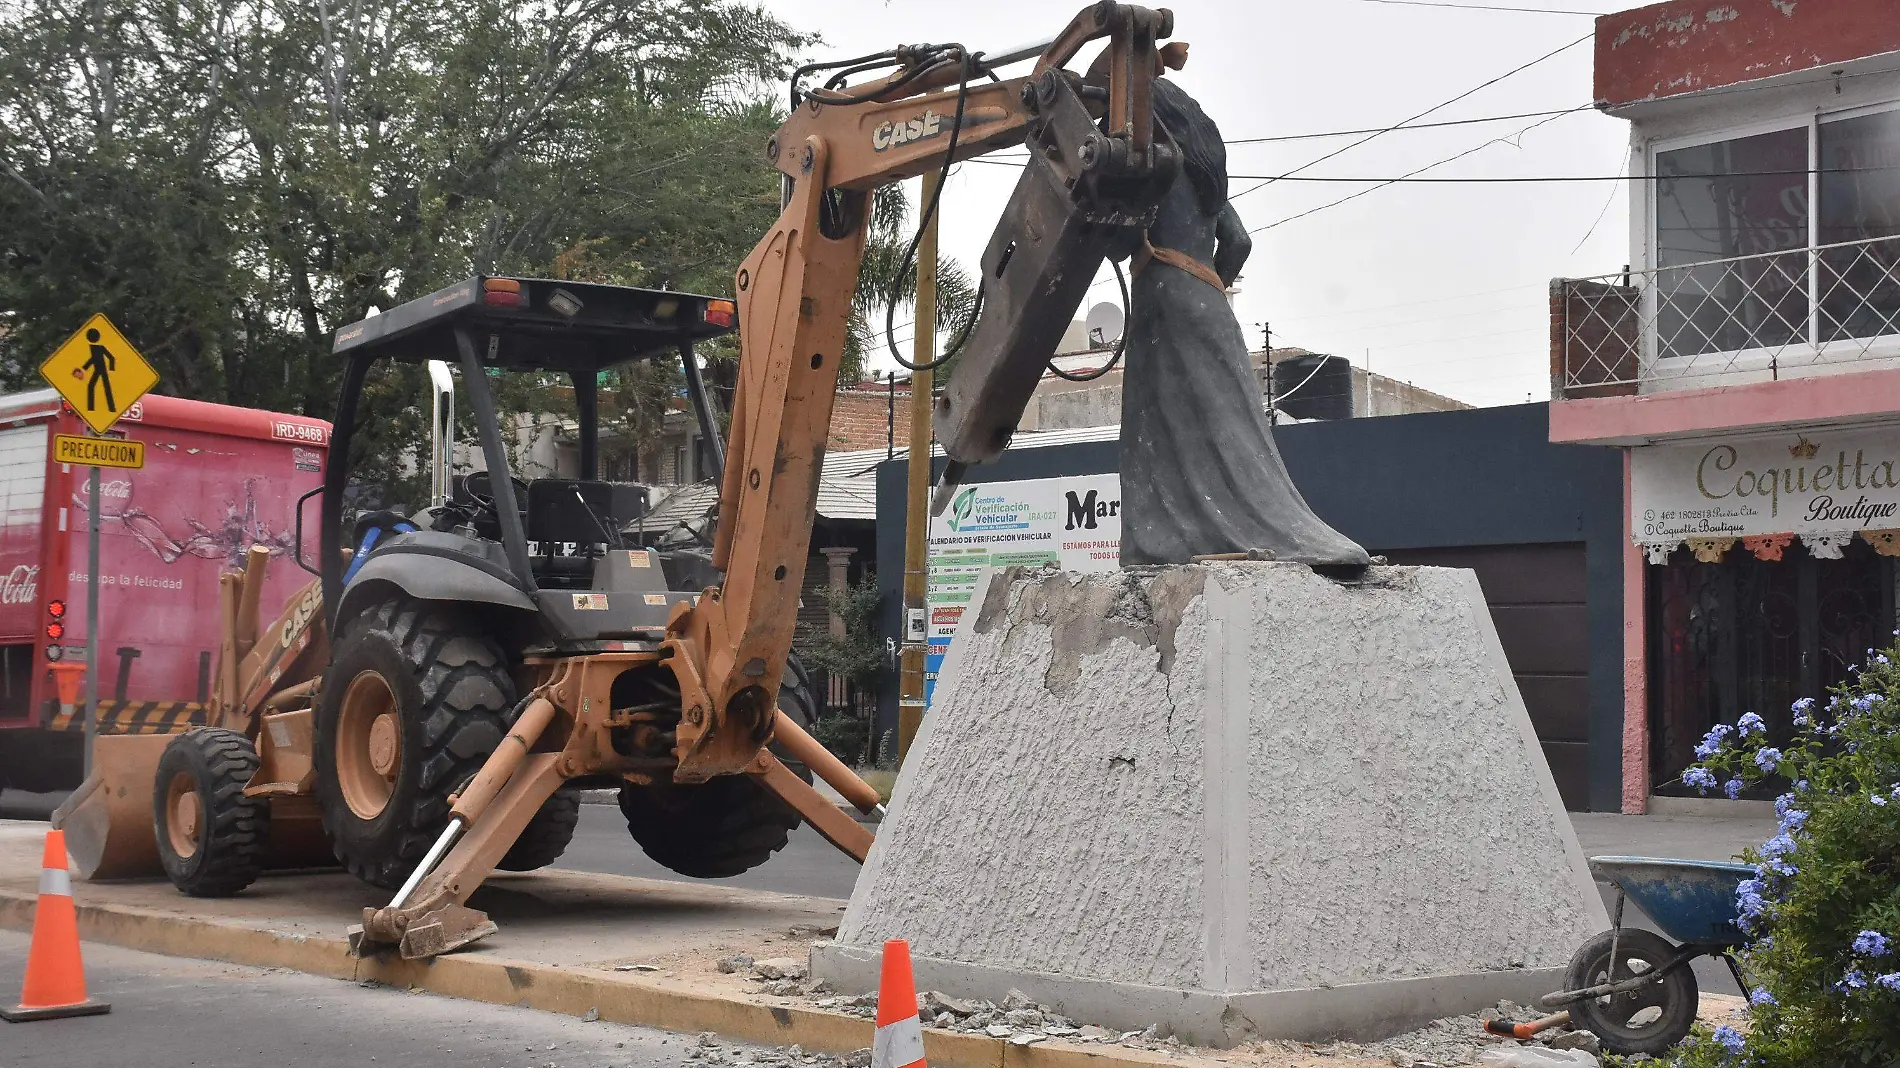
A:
(169, 1012)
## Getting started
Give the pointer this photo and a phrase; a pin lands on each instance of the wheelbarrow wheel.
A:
(1650, 1019)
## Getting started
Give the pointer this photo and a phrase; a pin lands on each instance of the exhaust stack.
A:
(441, 431)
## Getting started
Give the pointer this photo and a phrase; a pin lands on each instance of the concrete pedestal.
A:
(1236, 800)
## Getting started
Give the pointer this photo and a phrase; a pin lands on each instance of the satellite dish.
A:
(1104, 324)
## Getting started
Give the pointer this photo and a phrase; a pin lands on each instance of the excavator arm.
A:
(1082, 184)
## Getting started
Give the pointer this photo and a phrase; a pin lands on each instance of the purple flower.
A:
(1878, 800)
(1853, 980)
(1750, 723)
(1733, 788)
(1865, 702)
(1730, 1038)
(1711, 743)
(1761, 996)
(1699, 778)
(1871, 944)
(1767, 759)
(1772, 853)
(1749, 903)
(1891, 980)
(1792, 820)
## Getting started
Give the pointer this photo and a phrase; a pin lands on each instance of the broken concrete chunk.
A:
(935, 1003)
(1024, 1018)
(998, 1031)
(1016, 999)
(784, 988)
(779, 968)
(738, 962)
(1579, 1040)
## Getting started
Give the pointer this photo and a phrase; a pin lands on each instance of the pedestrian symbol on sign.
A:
(100, 363)
(99, 373)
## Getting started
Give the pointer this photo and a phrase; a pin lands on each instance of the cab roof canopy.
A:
(543, 325)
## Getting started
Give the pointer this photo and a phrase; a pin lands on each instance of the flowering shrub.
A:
(1822, 913)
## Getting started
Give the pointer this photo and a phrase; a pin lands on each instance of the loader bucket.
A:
(108, 820)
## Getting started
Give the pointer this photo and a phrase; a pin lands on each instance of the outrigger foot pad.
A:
(443, 929)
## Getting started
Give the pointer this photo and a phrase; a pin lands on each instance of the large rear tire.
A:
(725, 826)
(210, 836)
(412, 704)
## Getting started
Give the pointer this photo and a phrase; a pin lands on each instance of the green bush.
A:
(1822, 915)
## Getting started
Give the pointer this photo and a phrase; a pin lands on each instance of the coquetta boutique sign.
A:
(1824, 487)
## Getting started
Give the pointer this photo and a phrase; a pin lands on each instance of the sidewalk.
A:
(615, 948)
(646, 951)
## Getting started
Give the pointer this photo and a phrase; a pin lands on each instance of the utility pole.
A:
(910, 700)
(1266, 339)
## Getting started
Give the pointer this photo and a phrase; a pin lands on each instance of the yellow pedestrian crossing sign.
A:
(99, 373)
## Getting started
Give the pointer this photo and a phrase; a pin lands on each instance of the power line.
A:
(1533, 178)
(1486, 7)
(1322, 134)
(1420, 115)
(1427, 167)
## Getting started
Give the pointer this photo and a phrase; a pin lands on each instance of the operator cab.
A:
(549, 550)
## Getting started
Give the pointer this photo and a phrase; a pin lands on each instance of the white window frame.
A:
(1762, 364)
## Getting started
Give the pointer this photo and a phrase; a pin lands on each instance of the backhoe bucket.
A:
(108, 820)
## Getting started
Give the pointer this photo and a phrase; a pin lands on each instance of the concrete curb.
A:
(619, 998)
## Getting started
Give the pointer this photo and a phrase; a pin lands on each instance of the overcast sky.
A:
(1443, 284)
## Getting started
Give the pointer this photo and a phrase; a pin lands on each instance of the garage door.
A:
(1536, 597)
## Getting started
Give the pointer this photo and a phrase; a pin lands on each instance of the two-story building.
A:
(1746, 360)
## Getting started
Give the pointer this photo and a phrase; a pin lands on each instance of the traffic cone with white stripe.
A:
(899, 1041)
(55, 984)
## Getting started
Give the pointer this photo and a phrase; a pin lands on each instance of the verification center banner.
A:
(1071, 523)
(1819, 481)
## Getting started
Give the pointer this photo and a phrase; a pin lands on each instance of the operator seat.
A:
(371, 530)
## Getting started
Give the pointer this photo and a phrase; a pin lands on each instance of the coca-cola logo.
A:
(21, 585)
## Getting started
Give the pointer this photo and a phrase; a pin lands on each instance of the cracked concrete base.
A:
(1234, 800)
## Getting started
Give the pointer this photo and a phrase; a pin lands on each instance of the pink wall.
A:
(1688, 45)
(1635, 670)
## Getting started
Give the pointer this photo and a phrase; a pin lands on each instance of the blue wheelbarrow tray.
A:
(1692, 902)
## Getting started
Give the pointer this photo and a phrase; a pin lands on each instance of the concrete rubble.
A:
(1202, 797)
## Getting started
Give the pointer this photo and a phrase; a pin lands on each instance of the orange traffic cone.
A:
(55, 978)
(899, 1040)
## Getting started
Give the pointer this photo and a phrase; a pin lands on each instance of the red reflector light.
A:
(501, 292)
(56, 609)
(56, 630)
(721, 312)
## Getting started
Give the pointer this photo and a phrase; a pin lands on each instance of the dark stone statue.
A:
(1200, 473)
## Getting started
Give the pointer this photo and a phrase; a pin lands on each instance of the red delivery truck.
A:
(216, 481)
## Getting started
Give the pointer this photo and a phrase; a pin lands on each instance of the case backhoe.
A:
(582, 665)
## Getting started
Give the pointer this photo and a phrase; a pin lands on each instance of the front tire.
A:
(210, 836)
(547, 834)
(412, 704)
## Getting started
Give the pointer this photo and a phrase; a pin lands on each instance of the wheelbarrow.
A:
(1634, 989)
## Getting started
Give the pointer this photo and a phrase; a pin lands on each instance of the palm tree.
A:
(882, 282)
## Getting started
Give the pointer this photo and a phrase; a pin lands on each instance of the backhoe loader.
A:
(474, 673)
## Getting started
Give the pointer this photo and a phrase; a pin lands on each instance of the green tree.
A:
(233, 179)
